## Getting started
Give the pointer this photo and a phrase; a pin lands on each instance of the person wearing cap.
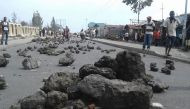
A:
(5, 31)
(170, 25)
(149, 28)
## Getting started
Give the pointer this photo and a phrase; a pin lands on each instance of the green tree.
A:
(37, 20)
(24, 23)
(54, 26)
(14, 17)
(138, 5)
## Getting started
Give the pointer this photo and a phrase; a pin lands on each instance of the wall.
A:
(19, 30)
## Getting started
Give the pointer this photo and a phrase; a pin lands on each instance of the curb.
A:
(142, 51)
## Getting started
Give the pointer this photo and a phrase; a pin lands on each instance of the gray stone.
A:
(36, 101)
(90, 69)
(166, 70)
(60, 81)
(153, 67)
(56, 100)
(2, 82)
(6, 55)
(30, 63)
(3, 61)
(115, 94)
(107, 61)
(66, 61)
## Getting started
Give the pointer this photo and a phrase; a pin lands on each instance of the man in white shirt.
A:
(170, 24)
(5, 31)
(149, 28)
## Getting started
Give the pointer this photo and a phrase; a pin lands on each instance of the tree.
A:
(138, 5)
(14, 17)
(54, 26)
(37, 20)
(24, 23)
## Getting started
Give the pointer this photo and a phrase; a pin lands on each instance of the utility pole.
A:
(86, 23)
(184, 24)
(162, 11)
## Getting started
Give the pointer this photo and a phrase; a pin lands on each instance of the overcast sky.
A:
(76, 13)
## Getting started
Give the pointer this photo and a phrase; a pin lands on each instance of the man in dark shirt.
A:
(5, 31)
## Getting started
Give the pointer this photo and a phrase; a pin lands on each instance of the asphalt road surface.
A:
(22, 83)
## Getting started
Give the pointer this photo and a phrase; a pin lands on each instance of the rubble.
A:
(3, 61)
(30, 63)
(2, 82)
(153, 67)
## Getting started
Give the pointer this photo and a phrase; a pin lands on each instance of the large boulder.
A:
(60, 81)
(56, 100)
(90, 69)
(3, 61)
(130, 66)
(2, 82)
(36, 101)
(67, 60)
(6, 55)
(30, 63)
(106, 61)
(115, 94)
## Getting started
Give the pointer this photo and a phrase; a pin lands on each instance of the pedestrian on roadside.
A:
(82, 34)
(156, 36)
(149, 28)
(170, 25)
(5, 31)
(66, 32)
(96, 32)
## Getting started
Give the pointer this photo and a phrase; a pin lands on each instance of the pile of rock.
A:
(67, 60)
(3, 61)
(2, 82)
(168, 67)
(119, 83)
(30, 63)
(153, 67)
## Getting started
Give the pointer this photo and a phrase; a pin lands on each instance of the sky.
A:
(78, 13)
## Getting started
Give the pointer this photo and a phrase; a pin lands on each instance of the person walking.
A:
(156, 36)
(149, 28)
(170, 25)
(66, 32)
(5, 31)
(96, 32)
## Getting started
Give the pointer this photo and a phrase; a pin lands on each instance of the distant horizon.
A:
(78, 13)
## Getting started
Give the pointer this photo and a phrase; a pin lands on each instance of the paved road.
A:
(22, 83)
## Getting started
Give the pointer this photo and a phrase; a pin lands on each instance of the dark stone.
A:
(98, 48)
(153, 67)
(170, 66)
(3, 61)
(30, 63)
(70, 47)
(130, 66)
(6, 55)
(169, 61)
(36, 101)
(90, 69)
(107, 61)
(56, 100)
(23, 53)
(115, 94)
(53, 45)
(157, 85)
(166, 71)
(29, 48)
(90, 47)
(60, 82)
(2, 82)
